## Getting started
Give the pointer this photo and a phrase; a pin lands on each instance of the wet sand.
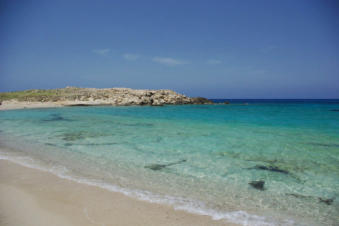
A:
(32, 197)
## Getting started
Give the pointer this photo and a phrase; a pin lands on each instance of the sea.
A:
(251, 162)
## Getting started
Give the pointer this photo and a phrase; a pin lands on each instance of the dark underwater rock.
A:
(90, 144)
(161, 166)
(155, 166)
(325, 145)
(138, 124)
(100, 144)
(299, 196)
(326, 201)
(50, 144)
(270, 168)
(73, 136)
(322, 200)
(56, 117)
(337, 110)
(80, 135)
(258, 184)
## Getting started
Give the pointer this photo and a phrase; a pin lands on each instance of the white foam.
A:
(192, 206)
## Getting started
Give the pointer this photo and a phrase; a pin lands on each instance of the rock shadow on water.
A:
(79, 135)
(100, 144)
(90, 144)
(56, 117)
(157, 167)
(276, 169)
(73, 136)
(271, 164)
(138, 124)
(51, 144)
(324, 145)
(327, 201)
(270, 168)
(241, 156)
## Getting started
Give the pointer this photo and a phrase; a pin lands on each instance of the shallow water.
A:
(196, 157)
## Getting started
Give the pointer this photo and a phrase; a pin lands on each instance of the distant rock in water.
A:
(258, 184)
(73, 96)
(335, 110)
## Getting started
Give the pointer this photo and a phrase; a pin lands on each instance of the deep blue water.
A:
(277, 101)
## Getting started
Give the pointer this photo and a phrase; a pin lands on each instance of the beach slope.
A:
(32, 197)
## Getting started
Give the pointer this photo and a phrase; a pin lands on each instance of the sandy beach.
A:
(32, 197)
(13, 105)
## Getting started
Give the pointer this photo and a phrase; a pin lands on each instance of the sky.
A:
(212, 48)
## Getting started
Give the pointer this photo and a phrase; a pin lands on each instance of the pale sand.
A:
(12, 105)
(30, 197)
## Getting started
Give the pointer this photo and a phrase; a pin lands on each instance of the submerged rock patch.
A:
(270, 168)
(90, 144)
(258, 184)
(55, 117)
(72, 136)
(326, 201)
(161, 166)
(320, 199)
(80, 135)
(325, 145)
(139, 124)
(50, 144)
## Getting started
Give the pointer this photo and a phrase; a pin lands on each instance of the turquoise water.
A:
(200, 158)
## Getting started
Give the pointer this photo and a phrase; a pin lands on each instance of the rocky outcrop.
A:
(73, 96)
(201, 100)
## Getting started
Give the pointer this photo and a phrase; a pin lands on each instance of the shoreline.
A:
(44, 196)
(16, 105)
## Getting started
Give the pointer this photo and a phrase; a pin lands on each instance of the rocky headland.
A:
(73, 96)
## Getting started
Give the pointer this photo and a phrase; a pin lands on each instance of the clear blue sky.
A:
(230, 49)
